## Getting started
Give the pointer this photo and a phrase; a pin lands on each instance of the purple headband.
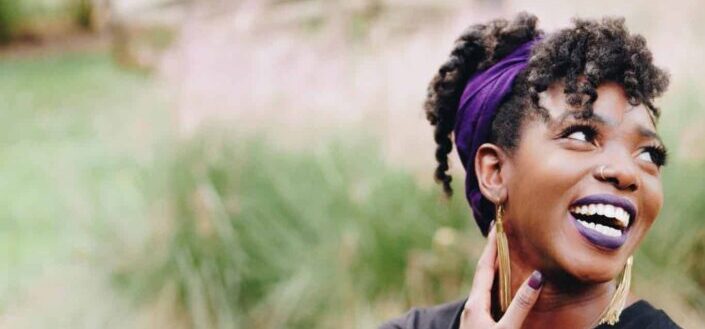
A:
(477, 108)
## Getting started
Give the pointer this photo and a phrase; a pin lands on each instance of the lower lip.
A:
(599, 239)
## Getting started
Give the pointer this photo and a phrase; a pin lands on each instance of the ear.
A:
(489, 162)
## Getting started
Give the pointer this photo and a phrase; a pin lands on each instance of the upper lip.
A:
(614, 200)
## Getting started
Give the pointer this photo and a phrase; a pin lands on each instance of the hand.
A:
(476, 313)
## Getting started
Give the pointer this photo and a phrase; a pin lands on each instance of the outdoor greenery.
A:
(77, 136)
(36, 18)
(271, 239)
(9, 17)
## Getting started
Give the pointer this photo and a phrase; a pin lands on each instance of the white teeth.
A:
(625, 218)
(606, 210)
(609, 211)
(606, 230)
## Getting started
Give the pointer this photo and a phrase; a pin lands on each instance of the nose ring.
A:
(602, 172)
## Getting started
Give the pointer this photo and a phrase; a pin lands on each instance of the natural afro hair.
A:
(582, 56)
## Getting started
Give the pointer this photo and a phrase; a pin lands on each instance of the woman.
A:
(557, 134)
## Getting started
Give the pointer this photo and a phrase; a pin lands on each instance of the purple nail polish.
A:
(536, 280)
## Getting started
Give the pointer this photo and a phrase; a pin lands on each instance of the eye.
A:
(579, 135)
(646, 156)
(580, 132)
(654, 154)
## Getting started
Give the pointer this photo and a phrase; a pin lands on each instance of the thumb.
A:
(523, 301)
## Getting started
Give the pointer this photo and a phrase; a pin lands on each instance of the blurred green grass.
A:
(262, 238)
(27, 18)
(76, 133)
(244, 234)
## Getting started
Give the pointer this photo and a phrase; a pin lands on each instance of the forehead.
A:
(611, 105)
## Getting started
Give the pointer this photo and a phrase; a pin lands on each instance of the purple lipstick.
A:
(603, 219)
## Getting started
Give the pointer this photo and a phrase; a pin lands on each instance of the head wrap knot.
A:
(478, 105)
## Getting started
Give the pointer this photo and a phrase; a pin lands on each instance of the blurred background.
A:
(267, 164)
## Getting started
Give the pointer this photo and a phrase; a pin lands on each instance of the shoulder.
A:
(643, 315)
(437, 317)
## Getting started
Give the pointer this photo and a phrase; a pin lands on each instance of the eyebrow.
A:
(594, 118)
(598, 119)
(646, 132)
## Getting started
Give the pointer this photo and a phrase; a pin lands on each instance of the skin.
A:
(539, 180)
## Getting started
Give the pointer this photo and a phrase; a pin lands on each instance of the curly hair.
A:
(583, 56)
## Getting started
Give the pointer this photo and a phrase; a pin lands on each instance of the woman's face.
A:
(565, 213)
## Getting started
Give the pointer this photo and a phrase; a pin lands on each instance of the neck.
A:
(564, 302)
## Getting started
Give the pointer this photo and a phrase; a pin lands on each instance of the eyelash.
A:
(658, 153)
(589, 130)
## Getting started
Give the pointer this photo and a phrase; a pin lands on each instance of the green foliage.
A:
(10, 16)
(83, 13)
(72, 156)
(273, 239)
(37, 18)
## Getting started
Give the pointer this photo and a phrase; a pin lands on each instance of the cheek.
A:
(652, 201)
(541, 179)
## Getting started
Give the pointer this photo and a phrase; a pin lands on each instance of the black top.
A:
(640, 315)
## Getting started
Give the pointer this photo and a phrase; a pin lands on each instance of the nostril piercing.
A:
(602, 172)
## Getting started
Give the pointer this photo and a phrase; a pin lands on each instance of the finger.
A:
(523, 301)
(484, 273)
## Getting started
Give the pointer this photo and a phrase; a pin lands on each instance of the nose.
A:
(622, 176)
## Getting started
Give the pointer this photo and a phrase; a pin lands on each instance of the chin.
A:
(581, 262)
(592, 272)
(586, 261)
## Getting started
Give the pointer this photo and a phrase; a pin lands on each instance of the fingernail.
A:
(491, 224)
(536, 280)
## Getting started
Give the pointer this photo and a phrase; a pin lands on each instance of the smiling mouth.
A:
(603, 219)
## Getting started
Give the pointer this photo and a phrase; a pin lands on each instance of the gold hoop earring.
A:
(505, 292)
(614, 309)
